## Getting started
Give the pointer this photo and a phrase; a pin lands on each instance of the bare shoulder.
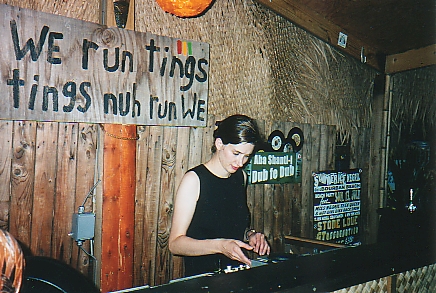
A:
(189, 187)
(191, 177)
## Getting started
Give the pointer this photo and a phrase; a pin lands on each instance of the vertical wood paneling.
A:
(323, 147)
(355, 140)
(165, 204)
(268, 195)
(152, 191)
(98, 154)
(331, 146)
(141, 268)
(297, 189)
(288, 195)
(310, 165)
(85, 179)
(5, 172)
(207, 141)
(277, 205)
(181, 166)
(22, 176)
(44, 188)
(364, 159)
(255, 194)
(195, 146)
(361, 151)
(65, 191)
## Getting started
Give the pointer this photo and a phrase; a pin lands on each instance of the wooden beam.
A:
(411, 59)
(327, 31)
(119, 185)
(119, 177)
(301, 241)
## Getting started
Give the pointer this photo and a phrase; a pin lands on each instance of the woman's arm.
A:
(184, 208)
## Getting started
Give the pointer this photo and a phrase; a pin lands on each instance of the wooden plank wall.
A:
(47, 169)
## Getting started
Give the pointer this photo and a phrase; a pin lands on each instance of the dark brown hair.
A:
(237, 129)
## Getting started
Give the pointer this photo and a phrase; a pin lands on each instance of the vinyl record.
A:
(276, 140)
(296, 138)
(289, 146)
(264, 147)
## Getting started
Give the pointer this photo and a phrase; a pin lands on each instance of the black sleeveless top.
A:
(221, 212)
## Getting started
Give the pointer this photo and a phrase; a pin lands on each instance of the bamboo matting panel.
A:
(375, 286)
(267, 67)
(239, 74)
(85, 10)
(420, 280)
(412, 90)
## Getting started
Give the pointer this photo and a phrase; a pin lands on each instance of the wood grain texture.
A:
(118, 209)
(5, 172)
(44, 188)
(85, 179)
(87, 72)
(181, 167)
(152, 200)
(22, 177)
(66, 175)
(165, 204)
(411, 59)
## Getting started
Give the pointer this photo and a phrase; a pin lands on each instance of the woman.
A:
(211, 217)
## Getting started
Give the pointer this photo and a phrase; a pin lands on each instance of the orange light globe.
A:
(184, 8)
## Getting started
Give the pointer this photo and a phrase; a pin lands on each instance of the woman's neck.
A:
(215, 167)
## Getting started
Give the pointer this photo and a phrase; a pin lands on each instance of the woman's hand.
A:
(232, 249)
(258, 242)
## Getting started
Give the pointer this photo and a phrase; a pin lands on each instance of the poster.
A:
(336, 206)
(274, 168)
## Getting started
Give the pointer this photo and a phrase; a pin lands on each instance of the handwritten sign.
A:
(336, 206)
(55, 68)
(274, 168)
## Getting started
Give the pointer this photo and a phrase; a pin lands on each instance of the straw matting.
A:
(88, 10)
(414, 101)
(264, 66)
(239, 73)
(422, 280)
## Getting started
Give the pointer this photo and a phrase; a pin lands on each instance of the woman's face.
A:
(233, 156)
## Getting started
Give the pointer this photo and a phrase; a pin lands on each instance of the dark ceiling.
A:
(391, 26)
(386, 26)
